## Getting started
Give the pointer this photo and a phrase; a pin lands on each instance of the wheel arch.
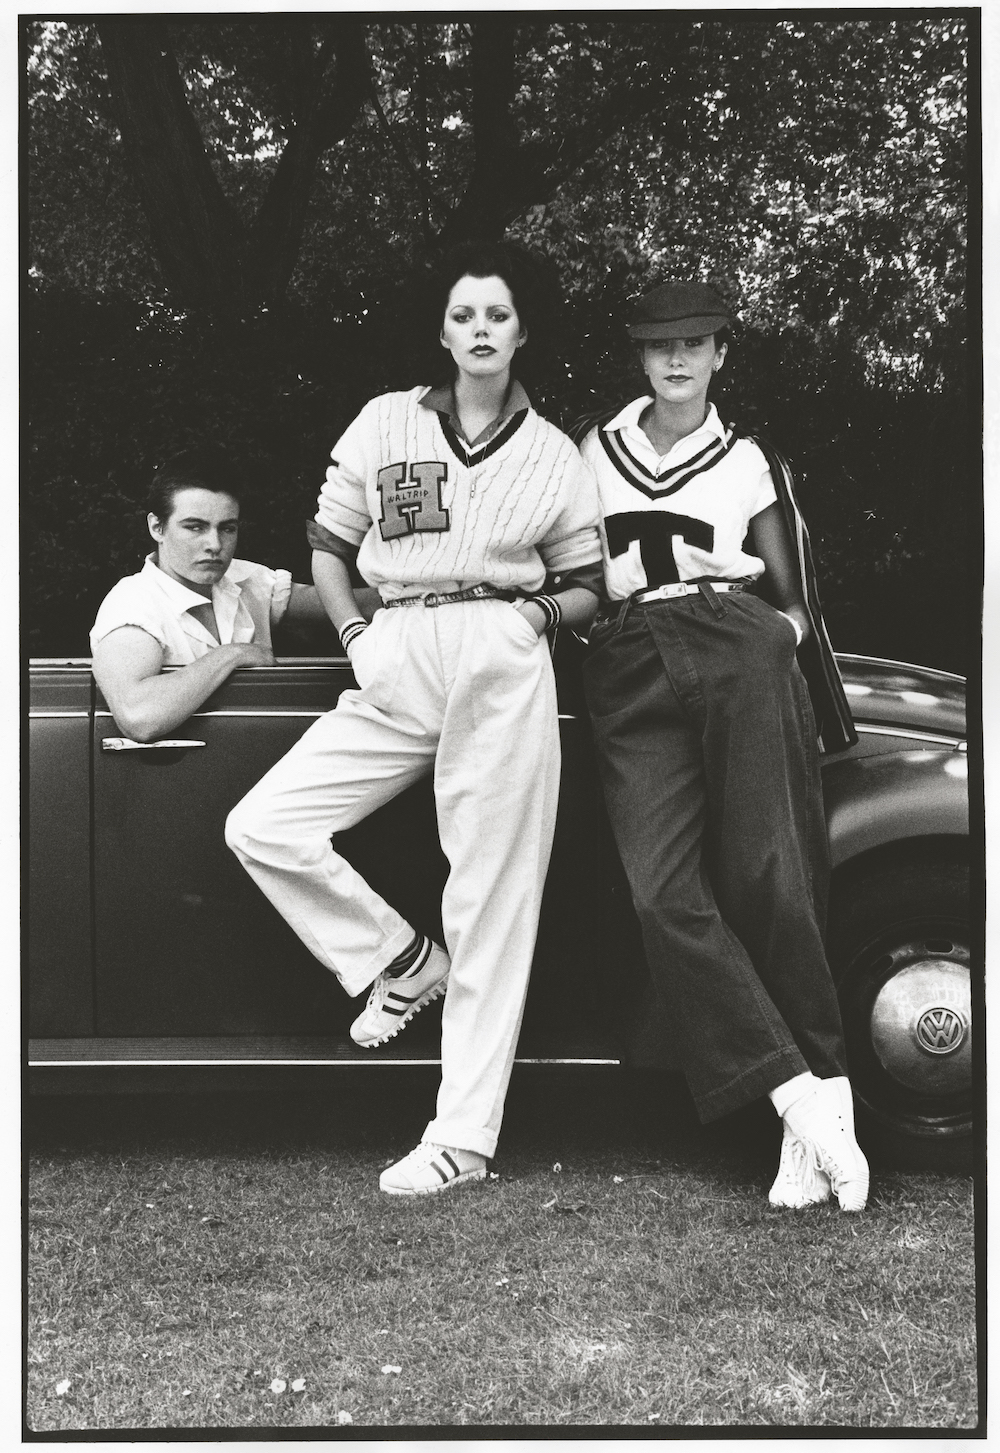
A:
(900, 941)
(913, 850)
(891, 797)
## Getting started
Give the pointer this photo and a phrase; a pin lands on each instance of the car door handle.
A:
(125, 744)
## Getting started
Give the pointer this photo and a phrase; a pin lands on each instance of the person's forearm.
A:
(155, 706)
(577, 607)
(333, 584)
(781, 585)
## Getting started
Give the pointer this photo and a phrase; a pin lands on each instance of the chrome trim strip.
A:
(254, 711)
(55, 1064)
(44, 715)
(251, 711)
(956, 743)
(905, 665)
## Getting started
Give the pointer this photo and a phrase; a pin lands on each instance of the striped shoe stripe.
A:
(454, 1168)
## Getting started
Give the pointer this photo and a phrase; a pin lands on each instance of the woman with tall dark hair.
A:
(474, 519)
(707, 742)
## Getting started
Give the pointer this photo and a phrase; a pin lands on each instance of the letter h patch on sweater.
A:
(412, 503)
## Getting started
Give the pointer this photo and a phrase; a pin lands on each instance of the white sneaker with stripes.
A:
(430, 1169)
(394, 1001)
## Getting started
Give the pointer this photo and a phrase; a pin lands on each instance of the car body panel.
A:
(61, 1000)
(183, 960)
(898, 694)
(185, 943)
(920, 793)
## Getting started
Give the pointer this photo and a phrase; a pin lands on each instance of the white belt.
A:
(667, 592)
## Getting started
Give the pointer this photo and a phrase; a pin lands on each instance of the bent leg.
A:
(706, 1011)
(350, 762)
(770, 855)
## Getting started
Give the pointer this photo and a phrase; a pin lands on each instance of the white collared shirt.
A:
(710, 484)
(247, 601)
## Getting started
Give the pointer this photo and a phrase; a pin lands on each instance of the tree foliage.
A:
(227, 216)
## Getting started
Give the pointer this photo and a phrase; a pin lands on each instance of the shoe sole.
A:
(433, 993)
(469, 1175)
(798, 1205)
(849, 1190)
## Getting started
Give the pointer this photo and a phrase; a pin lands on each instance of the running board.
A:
(260, 1051)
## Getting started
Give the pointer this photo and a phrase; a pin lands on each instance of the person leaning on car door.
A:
(191, 605)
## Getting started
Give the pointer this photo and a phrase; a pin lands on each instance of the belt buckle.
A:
(432, 599)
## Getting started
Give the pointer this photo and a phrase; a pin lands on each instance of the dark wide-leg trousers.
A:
(708, 757)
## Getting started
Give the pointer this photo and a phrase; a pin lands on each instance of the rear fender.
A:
(873, 801)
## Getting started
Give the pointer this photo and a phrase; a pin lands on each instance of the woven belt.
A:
(453, 597)
(668, 592)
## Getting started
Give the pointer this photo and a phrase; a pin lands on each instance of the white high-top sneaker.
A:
(825, 1119)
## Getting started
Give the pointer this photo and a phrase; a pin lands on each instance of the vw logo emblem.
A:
(940, 1030)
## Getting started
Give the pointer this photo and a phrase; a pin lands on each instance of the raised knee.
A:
(238, 837)
(258, 835)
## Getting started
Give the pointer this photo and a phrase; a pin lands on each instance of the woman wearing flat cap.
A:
(707, 743)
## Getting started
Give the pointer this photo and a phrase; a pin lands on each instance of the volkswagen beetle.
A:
(151, 952)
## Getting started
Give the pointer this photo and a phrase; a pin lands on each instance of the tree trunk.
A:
(209, 259)
(509, 177)
(196, 233)
(322, 121)
(487, 204)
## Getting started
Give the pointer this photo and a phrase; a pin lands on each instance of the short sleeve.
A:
(764, 493)
(281, 591)
(124, 605)
(343, 504)
(572, 539)
(265, 592)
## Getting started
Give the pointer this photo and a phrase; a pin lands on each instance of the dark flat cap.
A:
(678, 310)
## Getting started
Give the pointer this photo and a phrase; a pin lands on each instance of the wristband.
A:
(351, 630)
(551, 607)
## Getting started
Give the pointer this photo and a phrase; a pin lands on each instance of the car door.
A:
(185, 943)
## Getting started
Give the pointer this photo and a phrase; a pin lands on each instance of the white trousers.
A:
(466, 690)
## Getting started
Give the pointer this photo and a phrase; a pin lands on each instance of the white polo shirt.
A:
(706, 489)
(248, 601)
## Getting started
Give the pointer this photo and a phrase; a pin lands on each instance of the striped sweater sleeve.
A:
(343, 506)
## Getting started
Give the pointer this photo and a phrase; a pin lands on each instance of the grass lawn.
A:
(228, 1262)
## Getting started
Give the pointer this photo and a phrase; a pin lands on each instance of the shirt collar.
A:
(628, 422)
(442, 400)
(181, 597)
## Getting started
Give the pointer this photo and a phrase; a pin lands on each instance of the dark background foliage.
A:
(230, 221)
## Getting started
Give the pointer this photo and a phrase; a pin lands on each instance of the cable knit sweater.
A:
(424, 509)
